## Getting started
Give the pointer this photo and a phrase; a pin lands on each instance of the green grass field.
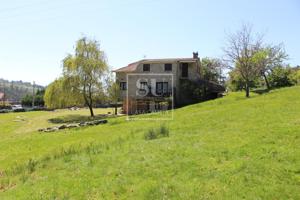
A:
(229, 148)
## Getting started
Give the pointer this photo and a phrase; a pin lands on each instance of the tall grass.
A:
(155, 133)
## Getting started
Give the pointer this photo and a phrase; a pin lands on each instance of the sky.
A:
(35, 35)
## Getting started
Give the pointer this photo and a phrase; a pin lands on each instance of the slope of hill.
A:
(229, 148)
(15, 90)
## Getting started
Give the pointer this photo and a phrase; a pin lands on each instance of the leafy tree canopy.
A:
(85, 70)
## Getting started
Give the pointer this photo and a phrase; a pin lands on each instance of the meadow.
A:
(228, 148)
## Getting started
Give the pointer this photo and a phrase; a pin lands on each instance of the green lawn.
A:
(229, 148)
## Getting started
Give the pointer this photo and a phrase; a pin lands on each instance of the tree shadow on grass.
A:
(260, 90)
(75, 119)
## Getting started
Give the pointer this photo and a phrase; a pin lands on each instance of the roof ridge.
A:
(132, 66)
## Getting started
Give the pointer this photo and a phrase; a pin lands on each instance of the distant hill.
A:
(15, 90)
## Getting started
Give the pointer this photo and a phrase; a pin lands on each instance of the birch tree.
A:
(240, 51)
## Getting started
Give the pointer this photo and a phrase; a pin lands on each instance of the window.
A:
(143, 85)
(184, 70)
(161, 88)
(123, 86)
(146, 67)
(168, 67)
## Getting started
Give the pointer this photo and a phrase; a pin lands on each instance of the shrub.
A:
(31, 165)
(4, 111)
(280, 77)
(164, 131)
(150, 134)
(160, 132)
(19, 110)
(294, 77)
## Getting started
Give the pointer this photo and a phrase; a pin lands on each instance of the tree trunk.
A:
(116, 109)
(90, 101)
(91, 110)
(266, 80)
(247, 90)
(89, 104)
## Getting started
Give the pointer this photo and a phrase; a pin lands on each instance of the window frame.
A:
(123, 85)
(144, 67)
(184, 73)
(164, 89)
(143, 85)
(168, 65)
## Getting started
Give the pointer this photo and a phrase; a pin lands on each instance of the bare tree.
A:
(240, 51)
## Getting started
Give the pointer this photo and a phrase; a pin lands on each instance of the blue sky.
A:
(36, 35)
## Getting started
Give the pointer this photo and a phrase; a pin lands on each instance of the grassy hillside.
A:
(229, 148)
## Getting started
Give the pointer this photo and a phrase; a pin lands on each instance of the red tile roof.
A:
(129, 68)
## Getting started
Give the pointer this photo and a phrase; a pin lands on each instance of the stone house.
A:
(155, 84)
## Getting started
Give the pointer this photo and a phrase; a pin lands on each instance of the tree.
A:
(53, 94)
(84, 71)
(114, 94)
(280, 77)
(269, 57)
(295, 76)
(39, 99)
(240, 51)
(59, 95)
(212, 69)
(237, 83)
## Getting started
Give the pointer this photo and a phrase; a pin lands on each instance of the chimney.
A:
(195, 55)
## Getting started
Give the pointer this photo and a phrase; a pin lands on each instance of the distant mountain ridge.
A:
(16, 90)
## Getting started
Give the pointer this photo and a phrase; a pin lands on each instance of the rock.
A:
(82, 124)
(88, 123)
(102, 121)
(69, 126)
(73, 126)
(62, 126)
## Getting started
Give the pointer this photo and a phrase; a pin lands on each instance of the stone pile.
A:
(69, 126)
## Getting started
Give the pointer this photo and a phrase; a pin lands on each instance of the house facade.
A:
(154, 84)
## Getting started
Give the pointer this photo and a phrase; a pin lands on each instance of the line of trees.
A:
(254, 64)
(250, 63)
(38, 99)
